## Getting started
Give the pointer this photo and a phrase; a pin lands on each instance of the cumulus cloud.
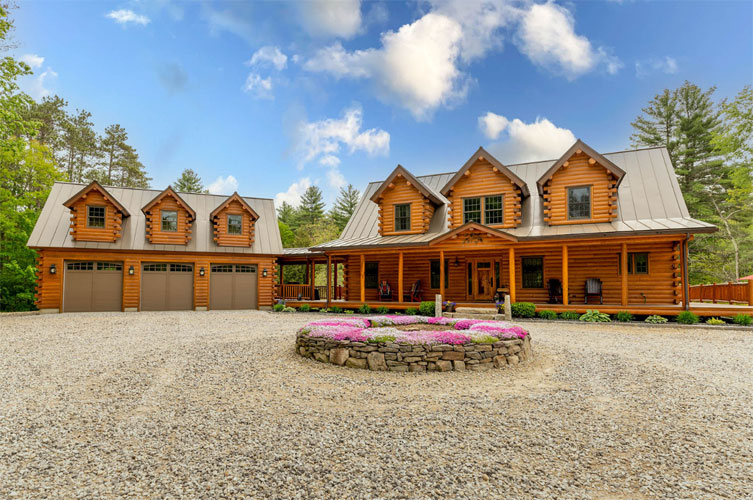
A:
(38, 86)
(258, 87)
(667, 65)
(269, 55)
(223, 185)
(537, 141)
(33, 60)
(331, 18)
(125, 17)
(293, 195)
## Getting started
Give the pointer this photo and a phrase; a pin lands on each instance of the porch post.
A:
(624, 269)
(329, 278)
(400, 277)
(363, 278)
(334, 279)
(311, 268)
(441, 273)
(511, 267)
(565, 276)
(685, 289)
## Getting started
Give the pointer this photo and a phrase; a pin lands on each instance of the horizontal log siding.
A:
(421, 210)
(50, 287)
(154, 232)
(221, 236)
(580, 173)
(113, 219)
(481, 181)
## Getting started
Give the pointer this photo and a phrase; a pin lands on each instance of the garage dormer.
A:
(406, 205)
(233, 222)
(169, 219)
(95, 215)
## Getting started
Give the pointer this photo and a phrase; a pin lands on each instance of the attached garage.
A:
(233, 286)
(93, 286)
(166, 287)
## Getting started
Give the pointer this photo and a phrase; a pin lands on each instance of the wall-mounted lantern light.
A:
(264, 272)
(457, 262)
(131, 271)
(53, 269)
(201, 272)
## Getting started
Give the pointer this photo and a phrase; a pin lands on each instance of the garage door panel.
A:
(221, 287)
(166, 287)
(93, 286)
(233, 286)
(180, 287)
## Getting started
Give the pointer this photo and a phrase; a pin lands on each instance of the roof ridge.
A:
(71, 183)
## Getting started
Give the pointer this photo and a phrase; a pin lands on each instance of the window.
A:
(637, 263)
(222, 268)
(234, 224)
(80, 266)
(435, 273)
(155, 267)
(169, 220)
(181, 268)
(244, 268)
(493, 210)
(109, 266)
(579, 202)
(95, 216)
(533, 272)
(402, 217)
(472, 210)
(372, 275)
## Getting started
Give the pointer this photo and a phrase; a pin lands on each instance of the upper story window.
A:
(471, 210)
(402, 217)
(579, 202)
(484, 210)
(493, 213)
(169, 220)
(234, 224)
(95, 216)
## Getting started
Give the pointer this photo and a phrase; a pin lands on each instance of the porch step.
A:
(465, 315)
(476, 310)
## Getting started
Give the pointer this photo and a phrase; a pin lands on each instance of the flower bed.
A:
(389, 343)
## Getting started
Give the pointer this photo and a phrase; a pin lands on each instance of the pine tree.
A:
(311, 209)
(286, 214)
(189, 182)
(131, 172)
(80, 143)
(659, 123)
(345, 205)
(112, 147)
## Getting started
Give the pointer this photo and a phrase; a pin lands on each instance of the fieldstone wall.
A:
(389, 356)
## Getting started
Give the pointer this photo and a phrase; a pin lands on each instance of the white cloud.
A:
(331, 18)
(492, 124)
(37, 86)
(224, 185)
(666, 65)
(537, 141)
(293, 195)
(259, 87)
(125, 16)
(33, 60)
(546, 35)
(336, 179)
(269, 55)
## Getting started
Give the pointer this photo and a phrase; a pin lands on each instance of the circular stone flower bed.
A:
(414, 343)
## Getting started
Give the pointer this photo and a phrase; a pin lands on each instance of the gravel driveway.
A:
(217, 404)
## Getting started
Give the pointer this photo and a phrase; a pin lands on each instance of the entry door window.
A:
(484, 280)
(169, 220)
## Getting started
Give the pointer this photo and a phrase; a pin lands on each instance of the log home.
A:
(584, 231)
(122, 249)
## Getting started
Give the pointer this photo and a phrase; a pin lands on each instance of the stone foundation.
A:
(389, 356)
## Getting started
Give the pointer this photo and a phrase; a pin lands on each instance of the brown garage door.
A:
(93, 286)
(166, 287)
(233, 286)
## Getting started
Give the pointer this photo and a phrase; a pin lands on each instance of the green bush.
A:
(546, 314)
(426, 308)
(595, 317)
(569, 315)
(411, 311)
(687, 318)
(278, 307)
(288, 309)
(624, 316)
(349, 311)
(305, 308)
(715, 321)
(364, 309)
(323, 310)
(656, 319)
(382, 310)
(523, 309)
(336, 310)
(743, 319)
(484, 339)
(381, 338)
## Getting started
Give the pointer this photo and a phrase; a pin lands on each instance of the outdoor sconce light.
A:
(53, 269)
(457, 262)
(131, 271)
(264, 272)
(201, 272)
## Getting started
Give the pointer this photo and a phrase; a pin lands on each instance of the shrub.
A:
(569, 315)
(523, 309)
(305, 308)
(484, 339)
(336, 310)
(595, 317)
(364, 309)
(278, 307)
(382, 338)
(349, 311)
(288, 309)
(624, 316)
(426, 308)
(687, 318)
(715, 321)
(546, 314)
(656, 319)
(323, 310)
(411, 311)
(743, 319)
(382, 310)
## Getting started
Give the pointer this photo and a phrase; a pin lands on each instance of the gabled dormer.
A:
(580, 188)
(96, 215)
(485, 192)
(406, 205)
(233, 222)
(169, 219)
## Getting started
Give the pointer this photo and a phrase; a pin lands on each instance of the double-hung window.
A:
(371, 275)
(533, 272)
(234, 224)
(169, 220)
(95, 216)
(493, 212)
(579, 202)
(484, 209)
(434, 274)
(637, 263)
(402, 217)
(472, 210)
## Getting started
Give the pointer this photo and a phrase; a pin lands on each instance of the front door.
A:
(484, 281)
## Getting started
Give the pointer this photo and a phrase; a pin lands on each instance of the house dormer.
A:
(485, 192)
(233, 222)
(580, 188)
(96, 215)
(169, 219)
(406, 205)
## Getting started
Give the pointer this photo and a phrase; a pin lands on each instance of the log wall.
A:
(219, 222)
(154, 232)
(421, 210)
(113, 219)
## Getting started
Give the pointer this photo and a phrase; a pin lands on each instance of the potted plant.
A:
(500, 307)
(449, 306)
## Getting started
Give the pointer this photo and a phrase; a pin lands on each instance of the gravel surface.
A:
(217, 404)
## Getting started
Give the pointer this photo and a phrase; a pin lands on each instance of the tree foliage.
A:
(345, 205)
(189, 182)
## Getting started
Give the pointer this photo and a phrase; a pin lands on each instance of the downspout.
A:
(686, 287)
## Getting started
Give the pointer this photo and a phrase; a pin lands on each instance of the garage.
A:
(166, 286)
(233, 286)
(93, 286)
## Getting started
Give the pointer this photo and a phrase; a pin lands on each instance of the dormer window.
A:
(169, 220)
(402, 217)
(234, 224)
(579, 202)
(95, 216)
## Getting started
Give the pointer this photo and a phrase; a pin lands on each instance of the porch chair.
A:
(415, 294)
(384, 291)
(555, 291)
(593, 289)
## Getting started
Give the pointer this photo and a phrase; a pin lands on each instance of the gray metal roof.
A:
(52, 228)
(649, 202)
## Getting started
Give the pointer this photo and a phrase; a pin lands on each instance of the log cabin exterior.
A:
(489, 229)
(121, 249)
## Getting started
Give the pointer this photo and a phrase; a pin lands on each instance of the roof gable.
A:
(473, 228)
(574, 149)
(235, 197)
(94, 185)
(482, 154)
(169, 192)
(400, 171)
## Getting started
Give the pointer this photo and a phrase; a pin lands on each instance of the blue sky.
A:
(269, 97)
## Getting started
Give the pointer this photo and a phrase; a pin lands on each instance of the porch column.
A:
(624, 269)
(311, 269)
(400, 277)
(441, 273)
(363, 278)
(334, 279)
(329, 278)
(511, 267)
(685, 288)
(565, 276)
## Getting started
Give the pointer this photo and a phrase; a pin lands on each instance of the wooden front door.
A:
(484, 281)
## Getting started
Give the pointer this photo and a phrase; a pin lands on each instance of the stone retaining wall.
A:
(389, 356)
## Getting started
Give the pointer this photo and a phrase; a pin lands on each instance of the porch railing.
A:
(293, 291)
(741, 293)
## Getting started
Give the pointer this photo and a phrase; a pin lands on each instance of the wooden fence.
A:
(294, 291)
(732, 293)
